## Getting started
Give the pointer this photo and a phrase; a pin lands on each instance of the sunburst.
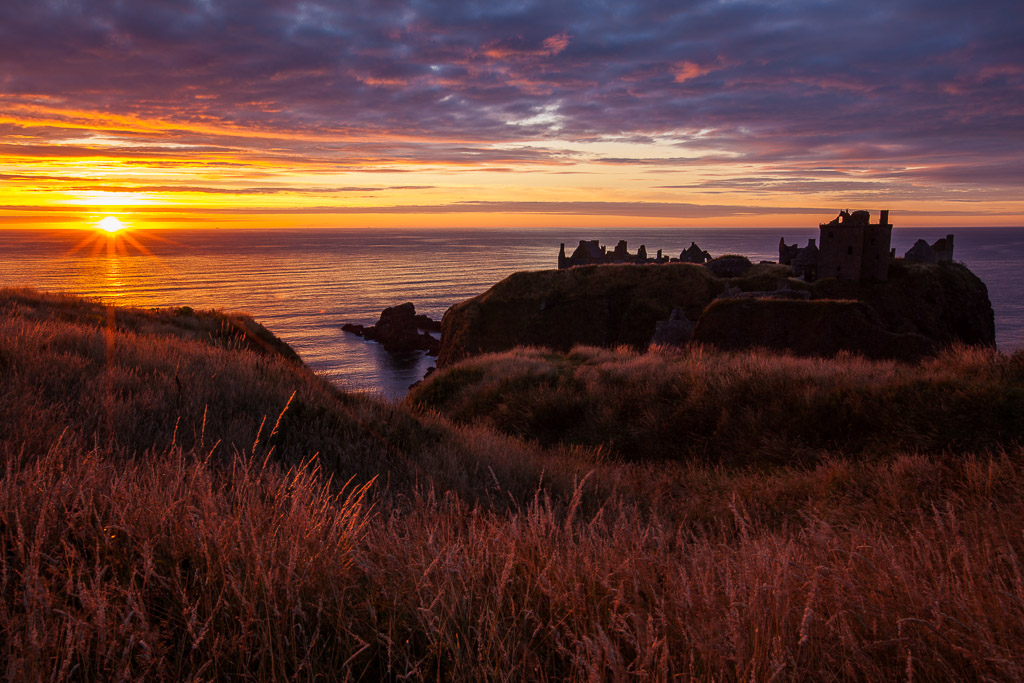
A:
(111, 224)
(113, 236)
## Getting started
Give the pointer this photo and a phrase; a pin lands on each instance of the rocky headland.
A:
(919, 309)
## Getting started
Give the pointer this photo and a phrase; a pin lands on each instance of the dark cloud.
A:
(937, 86)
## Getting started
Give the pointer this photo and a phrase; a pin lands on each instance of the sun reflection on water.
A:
(113, 283)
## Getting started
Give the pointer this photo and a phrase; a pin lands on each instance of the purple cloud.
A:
(798, 86)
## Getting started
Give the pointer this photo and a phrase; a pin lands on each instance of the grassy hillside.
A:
(171, 508)
(751, 407)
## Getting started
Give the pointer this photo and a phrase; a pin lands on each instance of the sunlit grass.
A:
(751, 407)
(189, 508)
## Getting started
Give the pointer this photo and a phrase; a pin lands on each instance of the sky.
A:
(648, 113)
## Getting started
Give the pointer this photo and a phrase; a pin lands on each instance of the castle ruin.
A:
(851, 247)
(939, 252)
(854, 248)
(592, 252)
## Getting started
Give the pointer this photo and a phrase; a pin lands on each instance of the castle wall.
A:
(853, 248)
(943, 249)
(875, 252)
(841, 250)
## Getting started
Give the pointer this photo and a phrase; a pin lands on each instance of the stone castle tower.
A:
(854, 248)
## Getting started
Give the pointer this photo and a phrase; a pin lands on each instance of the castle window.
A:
(849, 251)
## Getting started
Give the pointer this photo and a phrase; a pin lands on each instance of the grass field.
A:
(177, 503)
(742, 408)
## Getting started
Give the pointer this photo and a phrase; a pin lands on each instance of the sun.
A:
(111, 224)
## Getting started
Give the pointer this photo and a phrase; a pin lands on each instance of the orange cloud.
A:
(557, 43)
(686, 71)
(387, 82)
(551, 46)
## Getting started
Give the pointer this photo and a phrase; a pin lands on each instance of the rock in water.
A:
(398, 330)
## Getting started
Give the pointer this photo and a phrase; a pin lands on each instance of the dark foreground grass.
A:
(216, 538)
(751, 407)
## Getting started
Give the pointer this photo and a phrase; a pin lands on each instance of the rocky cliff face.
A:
(920, 308)
(594, 305)
(945, 302)
(806, 328)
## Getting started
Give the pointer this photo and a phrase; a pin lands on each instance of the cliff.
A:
(935, 304)
(806, 328)
(945, 302)
(594, 305)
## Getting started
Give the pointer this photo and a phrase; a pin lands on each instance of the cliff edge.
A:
(592, 305)
(920, 308)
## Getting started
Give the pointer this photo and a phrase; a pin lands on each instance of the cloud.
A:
(676, 210)
(556, 43)
(935, 86)
(686, 71)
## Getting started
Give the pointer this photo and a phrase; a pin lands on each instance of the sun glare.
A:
(111, 224)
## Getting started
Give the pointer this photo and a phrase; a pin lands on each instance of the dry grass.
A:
(750, 407)
(163, 515)
(611, 597)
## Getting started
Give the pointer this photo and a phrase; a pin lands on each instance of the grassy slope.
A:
(743, 408)
(145, 531)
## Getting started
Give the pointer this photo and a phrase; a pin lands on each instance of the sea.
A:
(304, 284)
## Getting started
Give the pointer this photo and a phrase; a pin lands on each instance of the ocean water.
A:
(305, 284)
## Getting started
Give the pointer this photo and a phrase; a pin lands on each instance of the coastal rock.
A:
(730, 265)
(614, 305)
(806, 328)
(604, 305)
(675, 331)
(427, 324)
(944, 302)
(399, 330)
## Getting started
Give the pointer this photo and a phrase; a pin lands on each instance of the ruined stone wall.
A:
(875, 252)
(840, 252)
